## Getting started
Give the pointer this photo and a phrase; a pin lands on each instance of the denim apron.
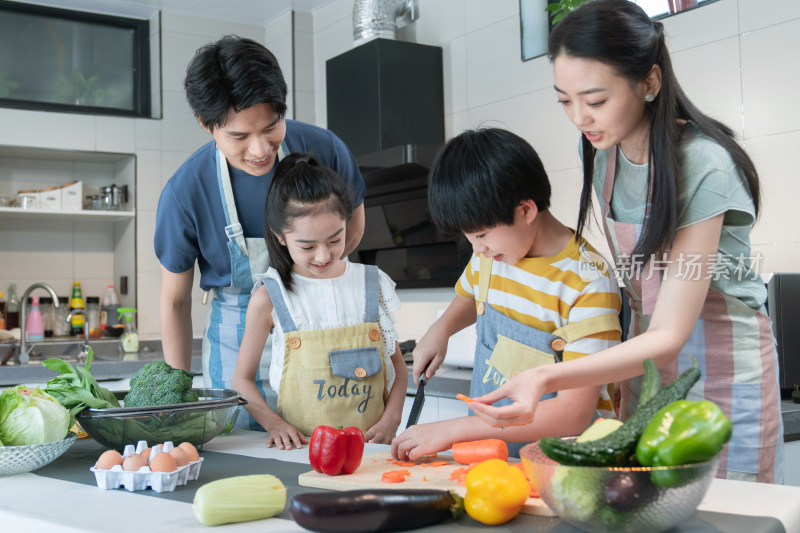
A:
(734, 348)
(336, 376)
(225, 319)
(506, 347)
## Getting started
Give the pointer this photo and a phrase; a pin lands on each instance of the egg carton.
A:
(143, 478)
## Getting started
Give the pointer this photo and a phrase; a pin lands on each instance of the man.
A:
(212, 209)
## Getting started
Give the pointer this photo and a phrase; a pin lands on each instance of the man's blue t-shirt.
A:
(190, 221)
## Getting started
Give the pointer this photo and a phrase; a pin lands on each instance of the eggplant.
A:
(372, 511)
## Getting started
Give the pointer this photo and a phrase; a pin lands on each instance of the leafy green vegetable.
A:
(76, 389)
(157, 383)
(28, 415)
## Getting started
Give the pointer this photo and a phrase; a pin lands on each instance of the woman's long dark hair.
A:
(619, 34)
(301, 186)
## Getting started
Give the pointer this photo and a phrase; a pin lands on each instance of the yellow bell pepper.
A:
(496, 492)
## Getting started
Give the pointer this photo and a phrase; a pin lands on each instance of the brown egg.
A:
(190, 450)
(163, 462)
(146, 454)
(108, 459)
(180, 456)
(133, 462)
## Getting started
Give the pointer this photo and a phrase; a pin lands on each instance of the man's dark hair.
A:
(230, 75)
(480, 177)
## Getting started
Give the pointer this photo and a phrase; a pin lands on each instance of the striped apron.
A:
(506, 346)
(335, 376)
(225, 319)
(735, 352)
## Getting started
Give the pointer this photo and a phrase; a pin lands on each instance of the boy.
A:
(539, 293)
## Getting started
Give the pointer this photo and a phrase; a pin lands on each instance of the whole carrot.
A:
(479, 450)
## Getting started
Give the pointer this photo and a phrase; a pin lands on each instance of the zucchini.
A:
(239, 499)
(651, 383)
(370, 511)
(617, 448)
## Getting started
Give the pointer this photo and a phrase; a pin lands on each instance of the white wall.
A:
(737, 60)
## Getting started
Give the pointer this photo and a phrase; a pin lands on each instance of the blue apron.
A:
(225, 319)
(506, 347)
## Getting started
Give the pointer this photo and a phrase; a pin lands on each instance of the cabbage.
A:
(29, 415)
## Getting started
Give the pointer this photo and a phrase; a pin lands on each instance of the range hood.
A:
(386, 102)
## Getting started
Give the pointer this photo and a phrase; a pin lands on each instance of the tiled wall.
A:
(737, 60)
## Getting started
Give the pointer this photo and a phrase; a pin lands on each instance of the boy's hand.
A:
(285, 436)
(431, 348)
(384, 431)
(421, 440)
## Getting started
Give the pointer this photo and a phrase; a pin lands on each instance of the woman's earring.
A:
(649, 97)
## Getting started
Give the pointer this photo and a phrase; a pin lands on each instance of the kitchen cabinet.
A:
(97, 248)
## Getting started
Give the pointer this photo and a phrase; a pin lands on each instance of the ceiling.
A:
(257, 12)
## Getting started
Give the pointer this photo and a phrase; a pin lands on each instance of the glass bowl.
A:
(194, 422)
(617, 499)
(21, 459)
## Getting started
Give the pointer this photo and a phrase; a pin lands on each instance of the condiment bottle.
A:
(2, 311)
(129, 341)
(93, 315)
(35, 325)
(78, 321)
(60, 327)
(12, 308)
(108, 312)
(48, 316)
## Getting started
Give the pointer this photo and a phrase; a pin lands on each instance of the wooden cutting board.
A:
(368, 476)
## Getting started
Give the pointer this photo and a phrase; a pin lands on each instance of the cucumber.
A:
(617, 448)
(372, 511)
(651, 383)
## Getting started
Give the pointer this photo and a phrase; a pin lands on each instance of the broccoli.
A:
(157, 383)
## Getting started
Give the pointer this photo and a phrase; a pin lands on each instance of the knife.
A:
(419, 400)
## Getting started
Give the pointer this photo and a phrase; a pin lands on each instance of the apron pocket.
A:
(356, 363)
(510, 357)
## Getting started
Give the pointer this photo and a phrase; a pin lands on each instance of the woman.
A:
(679, 197)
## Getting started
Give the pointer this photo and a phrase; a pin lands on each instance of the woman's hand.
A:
(285, 436)
(524, 390)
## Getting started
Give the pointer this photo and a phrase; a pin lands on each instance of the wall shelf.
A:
(51, 214)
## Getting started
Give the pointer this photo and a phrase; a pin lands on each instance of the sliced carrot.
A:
(477, 451)
(439, 463)
(393, 476)
(465, 399)
(390, 458)
(424, 478)
(459, 474)
(404, 463)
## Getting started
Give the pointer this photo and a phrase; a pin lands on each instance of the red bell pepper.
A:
(335, 451)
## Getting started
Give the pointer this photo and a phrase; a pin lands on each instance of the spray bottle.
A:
(129, 340)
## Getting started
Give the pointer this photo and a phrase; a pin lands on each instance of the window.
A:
(536, 22)
(61, 60)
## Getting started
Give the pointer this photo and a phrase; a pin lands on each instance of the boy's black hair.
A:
(620, 34)
(480, 177)
(230, 75)
(301, 186)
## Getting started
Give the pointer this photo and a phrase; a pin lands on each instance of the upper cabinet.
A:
(50, 239)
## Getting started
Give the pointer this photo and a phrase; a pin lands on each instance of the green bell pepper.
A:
(683, 432)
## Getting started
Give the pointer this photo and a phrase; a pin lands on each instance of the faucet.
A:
(85, 348)
(24, 351)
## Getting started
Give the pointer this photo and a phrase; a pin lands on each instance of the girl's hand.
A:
(420, 440)
(524, 390)
(285, 436)
(383, 432)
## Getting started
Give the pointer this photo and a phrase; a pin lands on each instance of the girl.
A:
(335, 356)
(679, 197)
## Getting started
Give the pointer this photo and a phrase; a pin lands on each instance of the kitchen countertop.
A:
(74, 503)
